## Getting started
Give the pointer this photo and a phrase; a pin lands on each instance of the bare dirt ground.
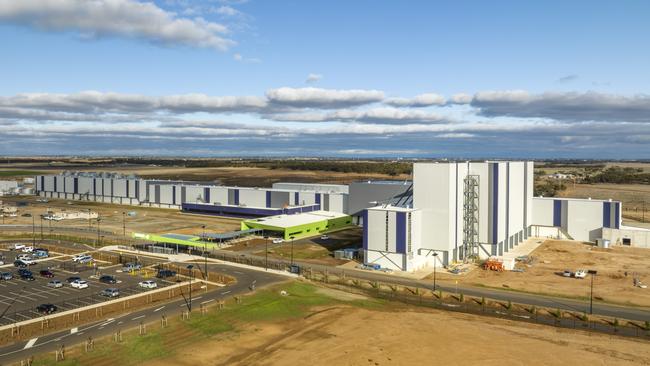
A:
(355, 336)
(611, 284)
(147, 220)
(633, 196)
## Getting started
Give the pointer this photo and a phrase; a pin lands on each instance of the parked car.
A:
(6, 276)
(130, 267)
(55, 284)
(24, 271)
(77, 257)
(2, 263)
(324, 237)
(107, 279)
(28, 249)
(79, 284)
(46, 273)
(41, 254)
(42, 250)
(21, 257)
(581, 273)
(46, 308)
(20, 264)
(27, 277)
(26, 215)
(72, 279)
(164, 273)
(567, 273)
(17, 247)
(277, 240)
(85, 259)
(110, 292)
(148, 284)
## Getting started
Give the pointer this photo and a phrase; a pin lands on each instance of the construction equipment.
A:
(493, 265)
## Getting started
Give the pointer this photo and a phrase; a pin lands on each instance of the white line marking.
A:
(227, 292)
(207, 301)
(74, 330)
(160, 308)
(31, 343)
(138, 317)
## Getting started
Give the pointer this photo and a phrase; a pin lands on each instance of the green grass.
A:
(15, 173)
(143, 348)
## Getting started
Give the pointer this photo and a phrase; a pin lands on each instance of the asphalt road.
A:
(49, 343)
(615, 311)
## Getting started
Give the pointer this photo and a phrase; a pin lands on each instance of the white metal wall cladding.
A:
(119, 187)
(252, 197)
(166, 194)
(219, 195)
(86, 186)
(376, 230)
(542, 212)
(194, 194)
(584, 219)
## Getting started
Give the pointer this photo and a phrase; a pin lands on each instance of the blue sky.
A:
(508, 79)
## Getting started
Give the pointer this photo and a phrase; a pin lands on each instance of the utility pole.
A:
(89, 222)
(292, 250)
(123, 223)
(41, 227)
(266, 253)
(33, 231)
(435, 261)
(191, 272)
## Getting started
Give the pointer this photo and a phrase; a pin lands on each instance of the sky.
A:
(362, 79)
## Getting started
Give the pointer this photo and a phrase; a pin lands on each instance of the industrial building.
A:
(448, 212)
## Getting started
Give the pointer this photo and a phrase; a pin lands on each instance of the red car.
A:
(46, 273)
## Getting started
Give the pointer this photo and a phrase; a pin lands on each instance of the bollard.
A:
(163, 321)
(143, 328)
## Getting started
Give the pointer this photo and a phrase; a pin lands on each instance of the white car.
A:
(277, 241)
(148, 284)
(28, 261)
(23, 257)
(82, 258)
(18, 246)
(28, 249)
(324, 237)
(581, 273)
(79, 284)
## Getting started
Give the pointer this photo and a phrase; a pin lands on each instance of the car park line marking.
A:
(138, 317)
(224, 293)
(118, 323)
(160, 308)
(31, 343)
(198, 297)
(39, 295)
(74, 330)
(207, 301)
(24, 316)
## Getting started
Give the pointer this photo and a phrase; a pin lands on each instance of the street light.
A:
(591, 293)
(89, 222)
(205, 254)
(266, 253)
(291, 249)
(123, 223)
(98, 220)
(435, 261)
(33, 231)
(41, 227)
(189, 267)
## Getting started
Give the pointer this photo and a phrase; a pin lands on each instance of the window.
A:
(627, 241)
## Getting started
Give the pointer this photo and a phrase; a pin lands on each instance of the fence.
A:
(488, 307)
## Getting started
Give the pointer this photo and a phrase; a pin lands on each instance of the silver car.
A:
(55, 284)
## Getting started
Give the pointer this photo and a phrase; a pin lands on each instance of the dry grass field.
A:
(616, 268)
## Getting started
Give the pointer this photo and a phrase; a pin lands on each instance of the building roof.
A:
(286, 221)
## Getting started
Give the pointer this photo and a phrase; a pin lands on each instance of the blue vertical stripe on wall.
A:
(76, 185)
(237, 197)
(128, 183)
(206, 195)
(173, 195)
(557, 213)
(63, 184)
(317, 198)
(400, 233)
(55, 184)
(94, 186)
(365, 229)
(495, 204)
(617, 222)
(268, 199)
(297, 197)
(607, 212)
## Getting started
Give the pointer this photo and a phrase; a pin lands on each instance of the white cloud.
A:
(323, 98)
(239, 58)
(383, 115)
(227, 11)
(118, 18)
(312, 78)
(461, 98)
(422, 100)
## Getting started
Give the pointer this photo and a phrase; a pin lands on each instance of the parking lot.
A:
(19, 298)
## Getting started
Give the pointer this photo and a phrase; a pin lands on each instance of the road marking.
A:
(227, 292)
(138, 317)
(74, 330)
(238, 272)
(207, 301)
(160, 308)
(118, 323)
(198, 297)
(31, 343)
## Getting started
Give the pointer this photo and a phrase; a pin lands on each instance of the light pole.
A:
(90, 224)
(123, 223)
(189, 267)
(266, 253)
(33, 231)
(98, 220)
(591, 292)
(435, 261)
(41, 227)
(205, 254)
(291, 249)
